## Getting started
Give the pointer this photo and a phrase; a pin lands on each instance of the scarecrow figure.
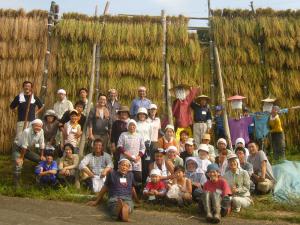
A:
(181, 108)
(239, 125)
(202, 118)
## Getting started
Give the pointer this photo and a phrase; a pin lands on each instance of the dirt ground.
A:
(23, 211)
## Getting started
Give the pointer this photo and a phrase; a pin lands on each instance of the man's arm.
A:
(100, 195)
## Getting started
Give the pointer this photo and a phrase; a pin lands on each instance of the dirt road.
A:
(22, 211)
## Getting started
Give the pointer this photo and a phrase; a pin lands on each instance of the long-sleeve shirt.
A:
(96, 163)
(118, 127)
(144, 129)
(138, 103)
(156, 126)
(60, 107)
(239, 128)
(30, 140)
(241, 180)
(275, 124)
(182, 111)
(113, 108)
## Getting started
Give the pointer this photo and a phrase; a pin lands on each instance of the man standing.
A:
(140, 101)
(202, 118)
(31, 139)
(113, 104)
(262, 175)
(83, 96)
(63, 104)
(26, 103)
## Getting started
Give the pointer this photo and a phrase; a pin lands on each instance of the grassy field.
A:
(264, 208)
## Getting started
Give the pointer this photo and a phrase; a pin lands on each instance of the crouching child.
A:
(216, 196)
(180, 188)
(46, 171)
(155, 189)
(120, 187)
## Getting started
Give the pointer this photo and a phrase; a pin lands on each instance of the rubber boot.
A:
(17, 181)
(216, 207)
(206, 205)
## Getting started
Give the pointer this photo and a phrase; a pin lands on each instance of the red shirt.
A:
(182, 111)
(160, 186)
(221, 185)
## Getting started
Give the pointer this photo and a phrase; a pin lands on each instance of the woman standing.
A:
(154, 120)
(99, 122)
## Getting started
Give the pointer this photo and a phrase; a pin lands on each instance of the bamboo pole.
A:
(98, 48)
(169, 103)
(223, 99)
(52, 19)
(164, 62)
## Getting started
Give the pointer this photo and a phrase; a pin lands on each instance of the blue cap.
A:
(212, 167)
(219, 108)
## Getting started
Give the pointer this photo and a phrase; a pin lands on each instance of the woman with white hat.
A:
(131, 146)
(144, 129)
(154, 120)
(168, 139)
(172, 155)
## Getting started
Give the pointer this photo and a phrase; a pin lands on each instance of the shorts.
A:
(112, 204)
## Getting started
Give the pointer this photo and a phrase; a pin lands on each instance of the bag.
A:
(174, 192)
(98, 183)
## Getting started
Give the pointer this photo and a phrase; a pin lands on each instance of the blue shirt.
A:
(201, 114)
(46, 167)
(119, 185)
(138, 103)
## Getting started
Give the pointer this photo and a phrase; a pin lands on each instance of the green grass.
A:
(264, 208)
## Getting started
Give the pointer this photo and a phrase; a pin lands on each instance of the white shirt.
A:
(60, 107)
(156, 126)
(144, 129)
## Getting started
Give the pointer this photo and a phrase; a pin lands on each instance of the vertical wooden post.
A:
(164, 61)
(98, 55)
(169, 103)
(223, 99)
(52, 19)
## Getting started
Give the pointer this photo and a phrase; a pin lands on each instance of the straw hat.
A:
(123, 109)
(236, 97)
(202, 96)
(206, 137)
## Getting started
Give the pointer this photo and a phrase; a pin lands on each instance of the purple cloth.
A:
(239, 129)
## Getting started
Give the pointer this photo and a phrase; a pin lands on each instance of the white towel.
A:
(22, 98)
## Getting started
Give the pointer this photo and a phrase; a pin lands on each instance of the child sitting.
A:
(155, 188)
(46, 171)
(196, 175)
(203, 153)
(180, 188)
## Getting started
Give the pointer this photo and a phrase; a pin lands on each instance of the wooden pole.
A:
(164, 62)
(223, 99)
(98, 55)
(169, 103)
(52, 18)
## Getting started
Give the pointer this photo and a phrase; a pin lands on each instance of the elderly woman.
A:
(165, 166)
(50, 127)
(68, 165)
(144, 129)
(132, 147)
(168, 139)
(172, 156)
(239, 182)
(99, 122)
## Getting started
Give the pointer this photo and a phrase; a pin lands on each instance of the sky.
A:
(191, 8)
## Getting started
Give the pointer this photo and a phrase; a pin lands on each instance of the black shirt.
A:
(22, 106)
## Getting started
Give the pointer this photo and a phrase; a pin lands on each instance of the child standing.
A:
(72, 131)
(155, 188)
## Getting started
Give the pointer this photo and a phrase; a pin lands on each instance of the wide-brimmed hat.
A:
(123, 109)
(269, 99)
(236, 97)
(202, 96)
(203, 147)
(190, 141)
(152, 106)
(50, 112)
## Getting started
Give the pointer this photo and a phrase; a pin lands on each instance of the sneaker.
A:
(237, 210)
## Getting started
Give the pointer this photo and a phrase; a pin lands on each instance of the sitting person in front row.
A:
(155, 189)
(180, 188)
(120, 187)
(215, 199)
(68, 165)
(46, 171)
(196, 175)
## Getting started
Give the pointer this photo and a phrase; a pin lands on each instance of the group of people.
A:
(130, 154)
